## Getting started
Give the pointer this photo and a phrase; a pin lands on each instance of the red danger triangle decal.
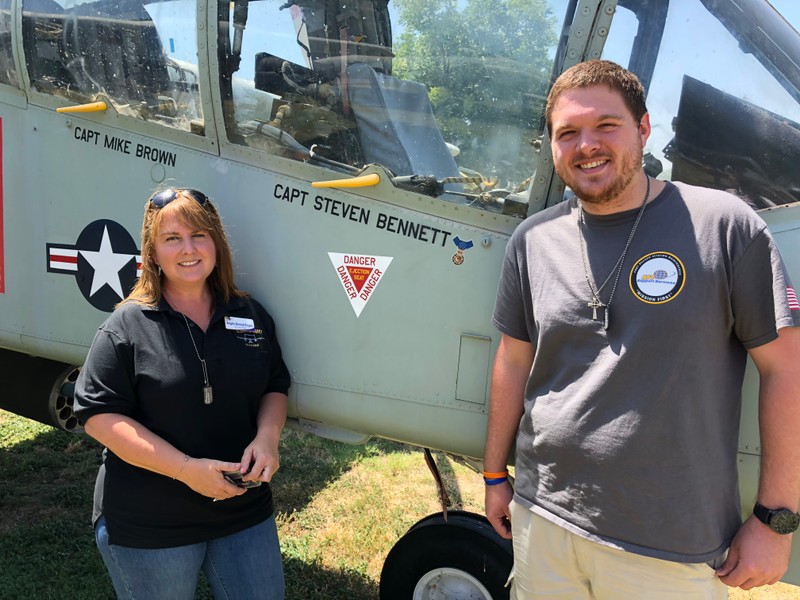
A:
(359, 275)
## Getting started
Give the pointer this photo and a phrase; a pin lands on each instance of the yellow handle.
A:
(353, 182)
(84, 108)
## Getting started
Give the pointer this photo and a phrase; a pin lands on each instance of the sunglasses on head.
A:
(161, 199)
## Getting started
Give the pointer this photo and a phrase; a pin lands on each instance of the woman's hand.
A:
(137, 445)
(262, 457)
(204, 476)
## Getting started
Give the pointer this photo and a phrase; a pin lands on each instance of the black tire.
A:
(461, 559)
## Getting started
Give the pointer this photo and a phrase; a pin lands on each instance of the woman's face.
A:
(187, 256)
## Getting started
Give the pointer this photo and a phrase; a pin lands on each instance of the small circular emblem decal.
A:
(657, 277)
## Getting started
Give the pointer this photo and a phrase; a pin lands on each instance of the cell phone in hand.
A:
(235, 477)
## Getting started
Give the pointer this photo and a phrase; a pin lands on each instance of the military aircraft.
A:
(370, 160)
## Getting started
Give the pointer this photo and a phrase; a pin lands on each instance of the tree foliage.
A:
(486, 64)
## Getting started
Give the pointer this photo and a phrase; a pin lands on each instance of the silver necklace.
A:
(208, 393)
(595, 302)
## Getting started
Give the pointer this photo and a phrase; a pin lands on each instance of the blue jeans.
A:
(245, 565)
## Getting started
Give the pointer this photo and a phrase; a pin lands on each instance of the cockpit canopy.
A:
(446, 97)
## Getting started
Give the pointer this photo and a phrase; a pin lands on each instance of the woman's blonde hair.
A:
(193, 210)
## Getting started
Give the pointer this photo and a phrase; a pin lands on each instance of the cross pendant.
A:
(594, 305)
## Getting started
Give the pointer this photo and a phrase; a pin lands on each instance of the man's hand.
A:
(758, 556)
(498, 497)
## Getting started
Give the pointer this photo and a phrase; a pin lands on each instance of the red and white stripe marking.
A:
(793, 303)
(63, 259)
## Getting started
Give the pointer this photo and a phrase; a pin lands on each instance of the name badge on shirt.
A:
(239, 324)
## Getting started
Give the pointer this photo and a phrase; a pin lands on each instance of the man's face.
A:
(597, 144)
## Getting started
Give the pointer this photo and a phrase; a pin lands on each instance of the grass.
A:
(340, 510)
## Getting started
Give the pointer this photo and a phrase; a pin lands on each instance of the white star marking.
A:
(106, 265)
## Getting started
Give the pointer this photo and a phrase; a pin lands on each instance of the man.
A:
(627, 314)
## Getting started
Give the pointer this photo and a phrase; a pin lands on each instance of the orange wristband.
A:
(488, 475)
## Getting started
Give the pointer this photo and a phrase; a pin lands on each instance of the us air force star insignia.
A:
(106, 265)
(657, 277)
(104, 260)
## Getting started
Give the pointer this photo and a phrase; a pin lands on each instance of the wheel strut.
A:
(437, 477)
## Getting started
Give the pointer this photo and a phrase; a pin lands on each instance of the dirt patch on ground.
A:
(779, 591)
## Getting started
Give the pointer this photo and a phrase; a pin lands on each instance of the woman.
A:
(184, 383)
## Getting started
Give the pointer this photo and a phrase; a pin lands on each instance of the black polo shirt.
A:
(142, 364)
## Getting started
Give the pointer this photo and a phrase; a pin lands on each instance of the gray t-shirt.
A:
(629, 436)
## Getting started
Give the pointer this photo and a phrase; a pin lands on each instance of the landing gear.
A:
(458, 559)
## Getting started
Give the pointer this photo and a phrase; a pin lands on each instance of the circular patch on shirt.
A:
(657, 277)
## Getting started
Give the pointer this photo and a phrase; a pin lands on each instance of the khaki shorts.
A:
(551, 562)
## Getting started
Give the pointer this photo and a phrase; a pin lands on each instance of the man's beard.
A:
(631, 165)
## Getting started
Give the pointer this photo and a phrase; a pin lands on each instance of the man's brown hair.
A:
(598, 72)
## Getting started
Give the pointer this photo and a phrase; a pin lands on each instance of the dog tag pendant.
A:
(208, 394)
